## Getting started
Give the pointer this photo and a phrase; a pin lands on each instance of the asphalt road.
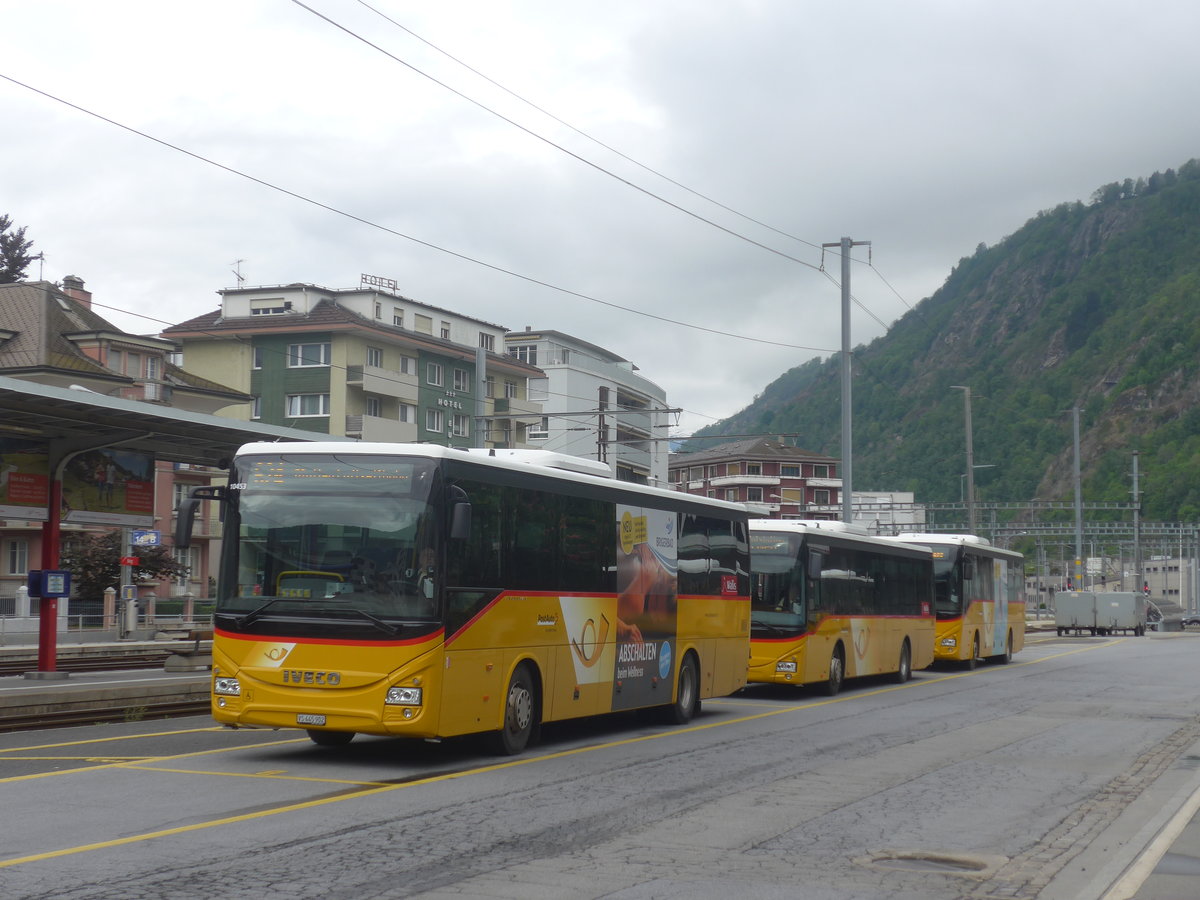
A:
(1043, 779)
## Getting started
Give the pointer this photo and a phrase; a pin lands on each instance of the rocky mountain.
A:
(1094, 306)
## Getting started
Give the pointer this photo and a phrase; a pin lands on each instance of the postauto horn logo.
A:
(664, 660)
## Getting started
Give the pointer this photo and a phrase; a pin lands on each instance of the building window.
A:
(259, 355)
(754, 494)
(133, 365)
(275, 307)
(821, 497)
(256, 407)
(433, 420)
(444, 331)
(307, 355)
(462, 380)
(153, 368)
(789, 471)
(18, 557)
(753, 468)
(375, 357)
(397, 316)
(374, 407)
(179, 493)
(524, 352)
(487, 341)
(116, 361)
(461, 425)
(489, 383)
(820, 471)
(299, 405)
(433, 374)
(423, 324)
(378, 310)
(406, 413)
(564, 356)
(510, 390)
(696, 473)
(408, 365)
(731, 494)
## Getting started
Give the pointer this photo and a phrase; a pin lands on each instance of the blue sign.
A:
(146, 538)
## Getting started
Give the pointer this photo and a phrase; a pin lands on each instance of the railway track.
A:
(127, 712)
(110, 663)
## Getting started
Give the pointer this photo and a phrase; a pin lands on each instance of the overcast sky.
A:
(923, 127)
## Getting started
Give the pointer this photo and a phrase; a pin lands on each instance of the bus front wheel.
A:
(330, 738)
(687, 692)
(520, 715)
(973, 660)
(837, 673)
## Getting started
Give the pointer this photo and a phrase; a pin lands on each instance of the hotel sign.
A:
(378, 281)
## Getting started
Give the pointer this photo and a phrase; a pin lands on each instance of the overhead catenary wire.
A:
(371, 224)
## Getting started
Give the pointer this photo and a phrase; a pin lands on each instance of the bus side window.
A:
(815, 567)
(968, 568)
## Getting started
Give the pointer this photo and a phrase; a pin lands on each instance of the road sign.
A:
(145, 538)
(129, 560)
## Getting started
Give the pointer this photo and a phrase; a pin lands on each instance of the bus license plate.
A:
(309, 719)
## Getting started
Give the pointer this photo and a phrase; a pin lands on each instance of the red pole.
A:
(48, 608)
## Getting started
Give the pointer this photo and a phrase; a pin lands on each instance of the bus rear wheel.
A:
(904, 672)
(837, 673)
(520, 715)
(330, 738)
(687, 692)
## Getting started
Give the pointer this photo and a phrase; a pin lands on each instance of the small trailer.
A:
(1100, 613)
(1075, 612)
(1123, 611)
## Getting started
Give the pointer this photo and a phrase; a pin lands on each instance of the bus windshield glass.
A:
(777, 583)
(343, 537)
(947, 587)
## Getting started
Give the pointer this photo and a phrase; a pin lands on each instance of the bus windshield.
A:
(947, 586)
(349, 537)
(777, 583)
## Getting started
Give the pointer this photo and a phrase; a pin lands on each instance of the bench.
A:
(194, 658)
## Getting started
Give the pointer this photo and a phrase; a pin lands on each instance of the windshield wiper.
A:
(243, 620)
(386, 627)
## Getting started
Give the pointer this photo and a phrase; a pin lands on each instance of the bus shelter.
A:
(59, 424)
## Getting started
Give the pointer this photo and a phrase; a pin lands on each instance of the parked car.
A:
(1191, 619)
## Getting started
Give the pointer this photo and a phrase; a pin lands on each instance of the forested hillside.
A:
(1094, 305)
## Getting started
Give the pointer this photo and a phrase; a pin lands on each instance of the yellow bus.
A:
(830, 602)
(426, 592)
(980, 598)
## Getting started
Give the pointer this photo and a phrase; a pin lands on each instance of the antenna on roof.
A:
(237, 271)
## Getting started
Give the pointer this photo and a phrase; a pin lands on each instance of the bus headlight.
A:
(785, 667)
(403, 696)
(949, 642)
(227, 687)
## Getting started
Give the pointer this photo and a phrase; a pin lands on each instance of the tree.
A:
(94, 561)
(14, 252)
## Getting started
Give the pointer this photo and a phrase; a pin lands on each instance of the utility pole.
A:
(847, 465)
(970, 458)
(1077, 581)
(1137, 528)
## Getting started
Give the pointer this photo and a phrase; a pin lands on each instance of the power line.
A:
(492, 266)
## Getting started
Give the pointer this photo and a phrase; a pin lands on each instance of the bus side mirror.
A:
(460, 514)
(460, 522)
(186, 514)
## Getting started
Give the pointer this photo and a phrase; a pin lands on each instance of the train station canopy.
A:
(81, 417)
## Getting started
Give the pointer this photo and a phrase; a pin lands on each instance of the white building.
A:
(595, 404)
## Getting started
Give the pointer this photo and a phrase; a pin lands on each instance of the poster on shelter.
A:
(109, 487)
(24, 479)
(647, 593)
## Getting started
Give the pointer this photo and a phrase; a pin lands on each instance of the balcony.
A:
(376, 428)
(512, 406)
(749, 480)
(383, 382)
(824, 482)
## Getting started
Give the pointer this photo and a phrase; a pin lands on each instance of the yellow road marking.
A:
(370, 790)
(120, 737)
